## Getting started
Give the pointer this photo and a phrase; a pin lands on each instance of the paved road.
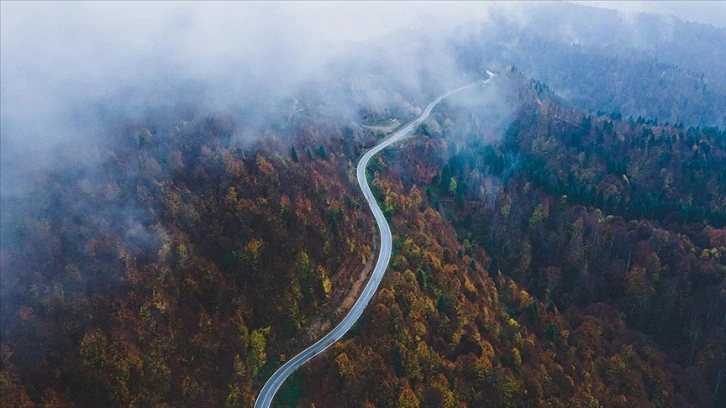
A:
(264, 400)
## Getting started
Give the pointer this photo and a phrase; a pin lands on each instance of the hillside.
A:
(180, 215)
(183, 269)
(174, 271)
(506, 292)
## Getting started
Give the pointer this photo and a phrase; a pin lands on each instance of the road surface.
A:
(264, 400)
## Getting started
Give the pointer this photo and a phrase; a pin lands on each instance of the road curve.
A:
(264, 399)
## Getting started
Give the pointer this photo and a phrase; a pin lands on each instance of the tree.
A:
(257, 356)
(407, 398)
(322, 153)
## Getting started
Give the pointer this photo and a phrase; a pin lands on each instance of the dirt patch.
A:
(356, 289)
(344, 295)
(385, 127)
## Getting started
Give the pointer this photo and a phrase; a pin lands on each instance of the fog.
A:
(68, 68)
(65, 63)
(72, 73)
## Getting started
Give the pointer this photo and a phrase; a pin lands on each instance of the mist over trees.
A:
(179, 213)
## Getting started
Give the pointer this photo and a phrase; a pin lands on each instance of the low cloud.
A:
(66, 67)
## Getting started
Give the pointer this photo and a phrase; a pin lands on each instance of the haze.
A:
(59, 58)
(66, 67)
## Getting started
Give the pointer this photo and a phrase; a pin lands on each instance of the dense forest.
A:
(535, 273)
(141, 281)
(180, 214)
(580, 260)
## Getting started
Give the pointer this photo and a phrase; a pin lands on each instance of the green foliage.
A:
(322, 153)
(605, 274)
(257, 356)
(291, 390)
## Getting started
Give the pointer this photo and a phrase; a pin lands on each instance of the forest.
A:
(545, 295)
(580, 260)
(180, 214)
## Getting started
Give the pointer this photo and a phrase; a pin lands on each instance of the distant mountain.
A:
(638, 65)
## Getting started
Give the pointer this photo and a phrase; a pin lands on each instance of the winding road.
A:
(264, 399)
